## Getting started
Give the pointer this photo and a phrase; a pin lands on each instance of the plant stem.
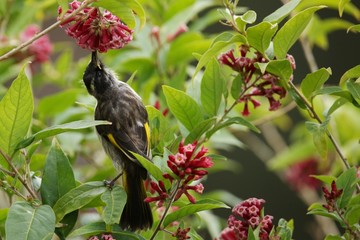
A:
(355, 233)
(317, 118)
(17, 174)
(45, 31)
(172, 197)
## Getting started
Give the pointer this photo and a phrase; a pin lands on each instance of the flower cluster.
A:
(103, 237)
(187, 166)
(331, 197)
(255, 83)
(244, 215)
(181, 234)
(96, 30)
(299, 174)
(40, 48)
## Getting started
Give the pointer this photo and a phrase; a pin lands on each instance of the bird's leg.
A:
(111, 183)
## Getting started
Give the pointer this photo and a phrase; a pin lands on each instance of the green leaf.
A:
(56, 103)
(234, 120)
(282, 12)
(205, 204)
(280, 68)
(184, 108)
(333, 237)
(346, 181)
(260, 35)
(125, 10)
(342, 4)
(354, 28)
(337, 104)
(352, 215)
(318, 209)
(161, 132)
(78, 197)
(96, 228)
(324, 178)
(319, 137)
(199, 130)
(215, 49)
(236, 86)
(291, 31)
(285, 229)
(57, 129)
(294, 95)
(16, 109)
(115, 200)
(58, 179)
(248, 17)
(212, 85)
(153, 170)
(183, 47)
(314, 81)
(354, 89)
(351, 73)
(26, 222)
(251, 234)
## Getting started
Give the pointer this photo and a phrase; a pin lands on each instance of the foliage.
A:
(199, 88)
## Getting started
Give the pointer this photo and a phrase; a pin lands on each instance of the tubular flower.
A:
(181, 234)
(96, 30)
(331, 196)
(244, 215)
(254, 82)
(161, 191)
(187, 166)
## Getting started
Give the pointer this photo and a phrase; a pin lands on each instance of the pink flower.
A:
(254, 82)
(181, 29)
(96, 30)
(228, 234)
(244, 215)
(331, 196)
(41, 48)
(181, 234)
(187, 166)
(162, 193)
(107, 237)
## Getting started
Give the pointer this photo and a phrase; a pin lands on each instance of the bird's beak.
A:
(95, 60)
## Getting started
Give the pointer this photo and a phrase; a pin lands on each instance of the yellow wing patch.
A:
(147, 131)
(113, 142)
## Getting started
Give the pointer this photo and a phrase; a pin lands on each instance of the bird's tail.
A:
(137, 214)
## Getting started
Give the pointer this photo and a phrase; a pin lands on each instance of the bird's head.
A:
(97, 77)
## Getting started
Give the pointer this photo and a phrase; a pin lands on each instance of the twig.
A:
(12, 188)
(22, 180)
(45, 31)
(7, 172)
(158, 227)
(317, 118)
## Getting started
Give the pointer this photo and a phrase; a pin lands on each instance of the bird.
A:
(129, 132)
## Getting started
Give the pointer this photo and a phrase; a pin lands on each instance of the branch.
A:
(17, 174)
(317, 118)
(45, 31)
